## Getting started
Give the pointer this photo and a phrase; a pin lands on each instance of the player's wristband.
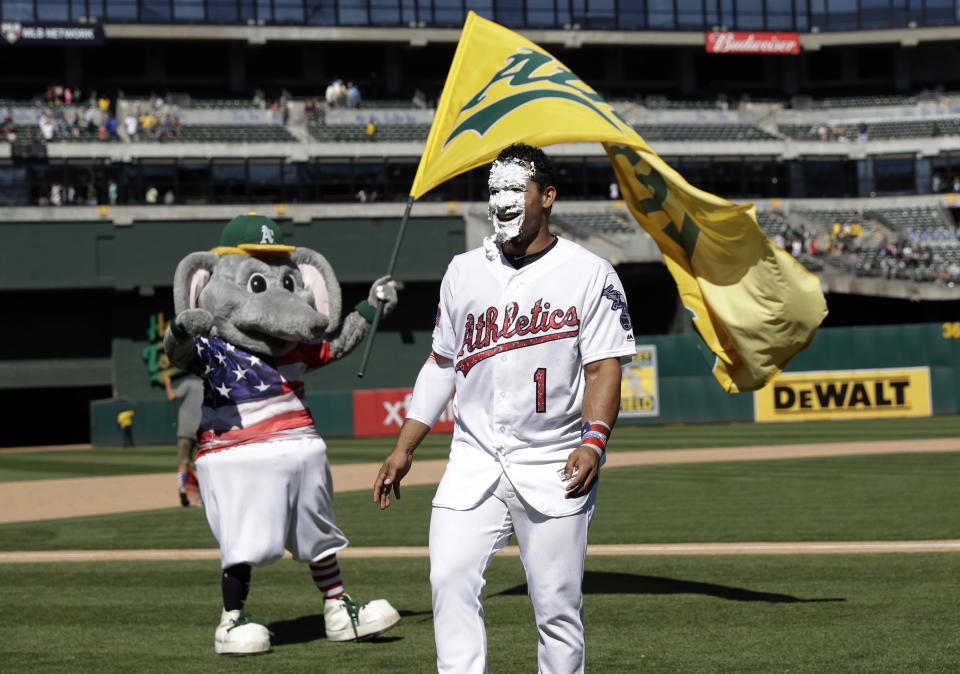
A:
(366, 310)
(594, 434)
(178, 330)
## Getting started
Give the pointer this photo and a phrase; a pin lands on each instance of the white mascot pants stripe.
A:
(263, 497)
(462, 544)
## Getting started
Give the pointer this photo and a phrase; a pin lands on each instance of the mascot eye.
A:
(289, 283)
(257, 284)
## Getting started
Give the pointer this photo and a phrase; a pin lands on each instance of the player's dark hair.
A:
(545, 175)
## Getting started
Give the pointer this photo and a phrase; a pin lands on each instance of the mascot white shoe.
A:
(346, 620)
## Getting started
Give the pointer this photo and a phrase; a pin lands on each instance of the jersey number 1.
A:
(540, 377)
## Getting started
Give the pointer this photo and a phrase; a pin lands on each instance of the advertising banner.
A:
(15, 33)
(639, 390)
(382, 411)
(731, 42)
(845, 394)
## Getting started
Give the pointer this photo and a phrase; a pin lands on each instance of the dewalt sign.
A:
(845, 394)
(639, 390)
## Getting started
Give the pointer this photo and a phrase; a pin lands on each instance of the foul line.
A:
(795, 548)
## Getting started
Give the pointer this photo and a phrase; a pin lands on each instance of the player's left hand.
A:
(584, 464)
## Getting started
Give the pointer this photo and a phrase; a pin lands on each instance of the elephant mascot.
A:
(252, 316)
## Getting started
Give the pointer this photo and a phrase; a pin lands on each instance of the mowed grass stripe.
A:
(836, 613)
(795, 548)
(896, 497)
(16, 466)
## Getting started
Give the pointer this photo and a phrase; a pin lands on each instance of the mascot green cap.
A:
(252, 234)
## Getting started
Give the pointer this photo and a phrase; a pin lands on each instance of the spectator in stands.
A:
(936, 183)
(361, 196)
(956, 183)
(822, 133)
(336, 94)
(75, 125)
(91, 117)
(171, 126)
(147, 123)
(371, 130)
(151, 196)
(91, 197)
(103, 103)
(352, 95)
(7, 126)
(863, 132)
(168, 197)
(130, 123)
(67, 96)
(112, 126)
(112, 192)
(56, 194)
(46, 126)
(614, 190)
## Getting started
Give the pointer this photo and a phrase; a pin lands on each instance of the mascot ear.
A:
(192, 275)
(318, 276)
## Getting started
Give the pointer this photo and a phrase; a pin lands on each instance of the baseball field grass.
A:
(672, 613)
(161, 458)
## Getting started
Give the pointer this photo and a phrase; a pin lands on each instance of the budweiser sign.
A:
(753, 43)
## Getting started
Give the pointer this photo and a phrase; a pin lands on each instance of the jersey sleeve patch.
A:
(618, 303)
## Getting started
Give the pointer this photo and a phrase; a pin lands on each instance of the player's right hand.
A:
(391, 472)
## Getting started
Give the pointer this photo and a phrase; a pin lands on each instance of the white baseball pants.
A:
(462, 544)
(263, 497)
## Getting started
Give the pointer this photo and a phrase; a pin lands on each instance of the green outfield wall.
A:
(685, 390)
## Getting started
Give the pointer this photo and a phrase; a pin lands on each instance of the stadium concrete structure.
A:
(89, 281)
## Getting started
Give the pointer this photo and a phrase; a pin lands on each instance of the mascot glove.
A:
(384, 289)
(195, 321)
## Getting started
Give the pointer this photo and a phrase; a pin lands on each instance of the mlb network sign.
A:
(850, 394)
(26, 34)
(752, 43)
(382, 411)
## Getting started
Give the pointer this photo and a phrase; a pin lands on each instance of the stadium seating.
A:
(225, 133)
(351, 133)
(703, 132)
(586, 224)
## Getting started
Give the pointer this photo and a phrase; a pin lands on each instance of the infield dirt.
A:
(79, 497)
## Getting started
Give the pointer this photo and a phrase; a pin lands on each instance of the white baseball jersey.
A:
(519, 339)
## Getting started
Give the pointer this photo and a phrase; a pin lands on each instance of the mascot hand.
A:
(195, 321)
(385, 289)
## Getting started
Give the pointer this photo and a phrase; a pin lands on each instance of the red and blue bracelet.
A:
(595, 435)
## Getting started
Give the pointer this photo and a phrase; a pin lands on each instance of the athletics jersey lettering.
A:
(483, 334)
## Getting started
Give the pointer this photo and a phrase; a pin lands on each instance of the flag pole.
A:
(390, 266)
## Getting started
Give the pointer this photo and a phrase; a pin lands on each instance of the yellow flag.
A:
(754, 305)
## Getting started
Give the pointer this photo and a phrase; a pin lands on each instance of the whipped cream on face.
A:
(508, 187)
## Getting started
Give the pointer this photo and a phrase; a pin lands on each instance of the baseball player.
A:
(190, 394)
(531, 333)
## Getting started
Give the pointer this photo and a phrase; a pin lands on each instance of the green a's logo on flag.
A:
(753, 305)
(529, 75)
